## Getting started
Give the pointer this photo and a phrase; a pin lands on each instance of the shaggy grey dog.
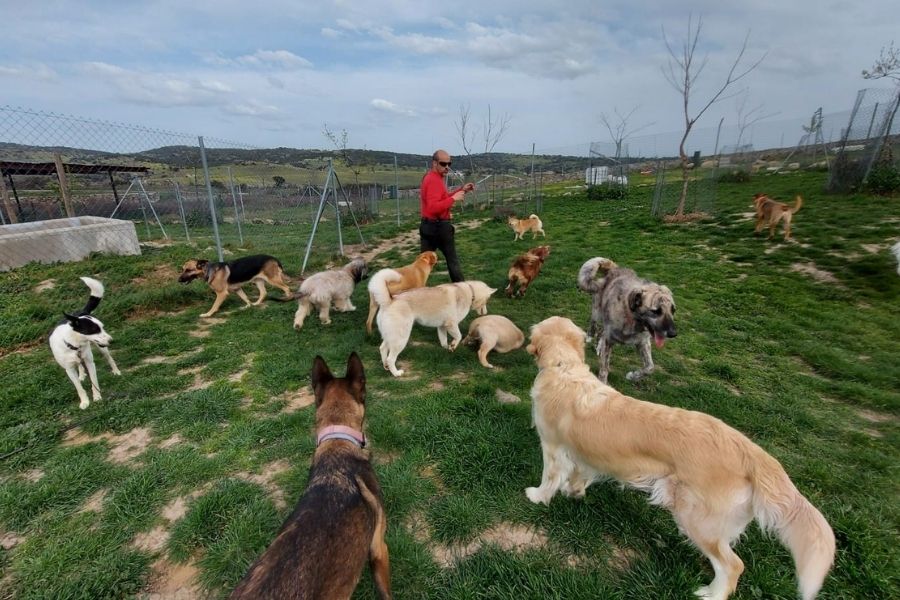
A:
(632, 311)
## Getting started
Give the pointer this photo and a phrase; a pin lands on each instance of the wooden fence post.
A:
(4, 194)
(63, 186)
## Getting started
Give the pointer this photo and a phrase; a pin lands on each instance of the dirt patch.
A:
(297, 399)
(128, 445)
(874, 248)
(265, 477)
(811, 270)
(436, 385)
(506, 397)
(23, 348)
(203, 326)
(47, 284)
(160, 275)
(430, 473)
(248, 362)
(384, 458)
(34, 475)
(167, 360)
(199, 382)
(9, 540)
(620, 558)
(174, 440)
(409, 238)
(874, 417)
(172, 581)
(685, 218)
(151, 541)
(746, 216)
(95, 502)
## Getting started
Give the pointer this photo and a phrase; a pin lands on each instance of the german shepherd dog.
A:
(339, 523)
(710, 477)
(633, 311)
(524, 269)
(769, 212)
(224, 277)
(71, 342)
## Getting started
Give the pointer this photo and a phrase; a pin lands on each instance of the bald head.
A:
(440, 162)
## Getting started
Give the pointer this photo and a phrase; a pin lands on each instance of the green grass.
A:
(805, 368)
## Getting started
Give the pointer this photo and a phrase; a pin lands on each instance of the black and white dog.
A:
(71, 344)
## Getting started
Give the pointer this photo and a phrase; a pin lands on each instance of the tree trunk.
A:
(684, 171)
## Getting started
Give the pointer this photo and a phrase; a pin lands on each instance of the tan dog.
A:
(327, 287)
(224, 277)
(712, 478)
(493, 332)
(769, 212)
(339, 522)
(443, 306)
(524, 269)
(411, 276)
(522, 226)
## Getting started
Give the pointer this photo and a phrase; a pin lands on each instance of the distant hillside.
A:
(188, 156)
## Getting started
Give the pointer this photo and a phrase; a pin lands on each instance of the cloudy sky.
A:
(394, 74)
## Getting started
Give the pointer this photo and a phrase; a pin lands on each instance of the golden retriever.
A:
(443, 306)
(327, 287)
(523, 226)
(411, 276)
(493, 332)
(712, 478)
(769, 212)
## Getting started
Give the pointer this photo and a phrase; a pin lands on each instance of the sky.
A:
(394, 74)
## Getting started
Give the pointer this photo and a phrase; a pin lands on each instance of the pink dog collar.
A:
(340, 432)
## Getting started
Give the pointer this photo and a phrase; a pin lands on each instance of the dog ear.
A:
(202, 263)
(356, 376)
(635, 299)
(320, 377)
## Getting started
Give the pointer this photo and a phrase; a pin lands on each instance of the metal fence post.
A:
(237, 214)
(181, 210)
(212, 203)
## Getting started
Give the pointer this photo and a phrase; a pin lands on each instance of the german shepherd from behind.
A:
(339, 522)
(769, 212)
(224, 277)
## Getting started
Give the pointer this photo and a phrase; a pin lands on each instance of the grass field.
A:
(180, 477)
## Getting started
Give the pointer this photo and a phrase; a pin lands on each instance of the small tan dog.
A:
(411, 276)
(769, 212)
(711, 477)
(323, 288)
(493, 332)
(522, 226)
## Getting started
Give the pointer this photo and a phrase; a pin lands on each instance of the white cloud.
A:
(37, 71)
(328, 32)
(281, 59)
(158, 89)
(253, 108)
(390, 107)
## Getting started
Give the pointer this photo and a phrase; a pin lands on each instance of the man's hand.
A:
(469, 187)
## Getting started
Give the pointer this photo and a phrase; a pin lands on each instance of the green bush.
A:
(734, 176)
(607, 192)
(884, 178)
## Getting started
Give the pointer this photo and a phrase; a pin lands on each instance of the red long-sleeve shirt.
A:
(435, 199)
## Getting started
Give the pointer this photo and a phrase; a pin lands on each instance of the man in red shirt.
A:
(436, 232)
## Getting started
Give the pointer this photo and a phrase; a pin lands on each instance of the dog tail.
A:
(587, 281)
(96, 294)
(295, 296)
(534, 216)
(378, 285)
(780, 508)
(798, 202)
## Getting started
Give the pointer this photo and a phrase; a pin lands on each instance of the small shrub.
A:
(884, 178)
(734, 176)
(502, 213)
(607, 192)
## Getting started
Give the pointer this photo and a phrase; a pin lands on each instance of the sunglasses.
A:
(445, 164)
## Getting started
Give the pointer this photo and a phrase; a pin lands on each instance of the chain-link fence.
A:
(71, 186)
(872, 127)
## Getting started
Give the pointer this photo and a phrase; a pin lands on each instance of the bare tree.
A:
(746, 118)
(887, 65)
(340, 144)
(618, 130)
(682, 72)
(466, 133)
(492, 128)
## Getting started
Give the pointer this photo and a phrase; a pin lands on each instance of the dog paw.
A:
(116, 371)
(488, 365)
(328, 322)
(452, 346)
(84, 404)
(534, 494)
(397, 373)
(707, 593)
(205, 315)
(634, 375)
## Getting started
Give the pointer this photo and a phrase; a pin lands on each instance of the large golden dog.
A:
(411, 276)
(712, 478)
(769, 212)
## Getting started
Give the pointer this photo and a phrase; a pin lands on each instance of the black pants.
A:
(439, 235)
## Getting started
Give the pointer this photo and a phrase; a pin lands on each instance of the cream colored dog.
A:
(712, 478)
(443, 306)
(411, 276)
(321, 289)
(493, 332)
(523, 226)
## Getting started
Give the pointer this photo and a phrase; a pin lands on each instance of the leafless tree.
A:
(340, 145)
(618, 129)
(887, 65)
(493, 128)
(746, 118)
(682, 72)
